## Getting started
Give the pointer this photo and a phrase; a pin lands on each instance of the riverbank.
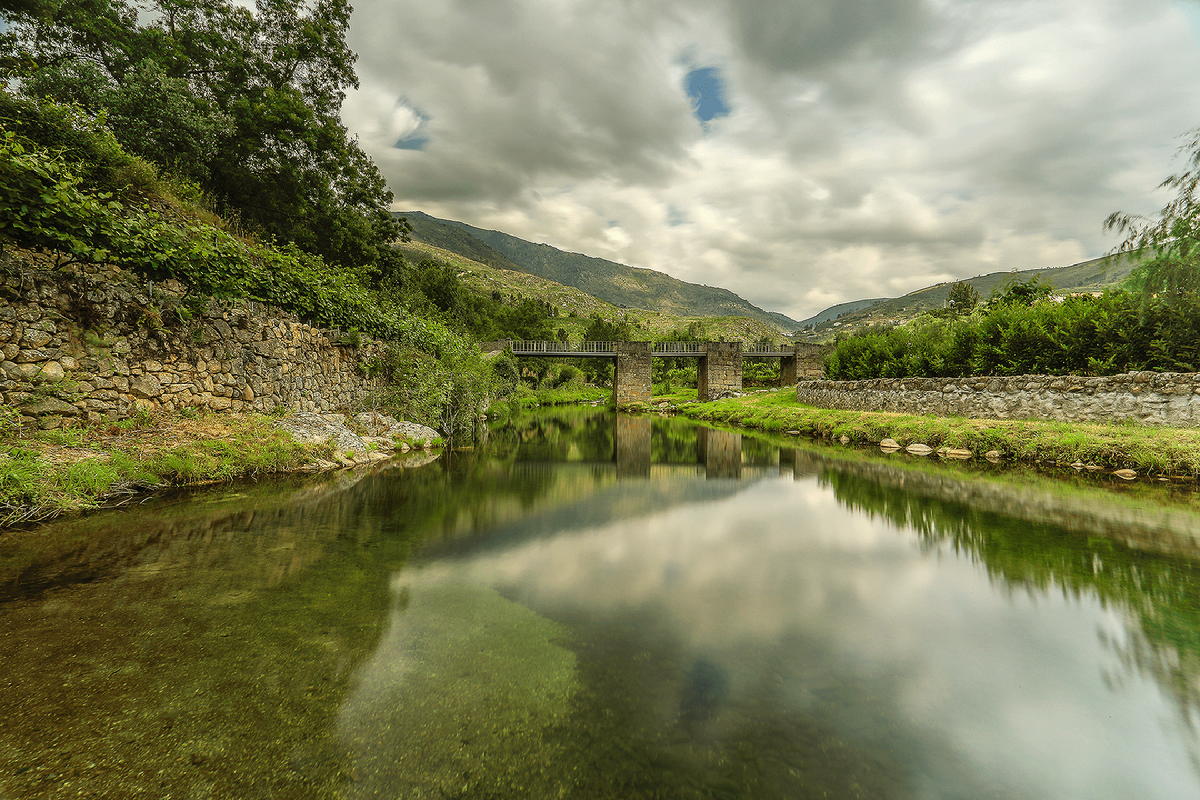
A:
(1156, 452)
(44, 474)
(48, 473)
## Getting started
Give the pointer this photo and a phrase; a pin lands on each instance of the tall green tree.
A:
(245, 103)
(963, 298)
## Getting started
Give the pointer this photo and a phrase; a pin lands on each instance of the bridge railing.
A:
(527, 347)
(553, 348)
(767, 350)
(678, 348)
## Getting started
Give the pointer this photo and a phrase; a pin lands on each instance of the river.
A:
(602, 606)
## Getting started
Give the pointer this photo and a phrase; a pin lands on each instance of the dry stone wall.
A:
(75, 347)
(1148, 398)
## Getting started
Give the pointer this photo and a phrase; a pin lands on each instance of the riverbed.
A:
(592, 605)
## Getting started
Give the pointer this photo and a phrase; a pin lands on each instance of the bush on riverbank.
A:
(1119, 331)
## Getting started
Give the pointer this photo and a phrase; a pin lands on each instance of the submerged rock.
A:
(461, 699)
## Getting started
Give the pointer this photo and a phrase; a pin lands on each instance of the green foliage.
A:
(963, 298)
(447, 392)
(1116, 332)
(603, 330)
(42, 206)
(20, 475)
(70, 134)
(764, 372)
(1172, 240)
(10, 420)
(433, 288)
(246, 104)
(1022, 293)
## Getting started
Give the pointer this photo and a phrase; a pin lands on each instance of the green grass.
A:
(1148, 450)
(34, 488)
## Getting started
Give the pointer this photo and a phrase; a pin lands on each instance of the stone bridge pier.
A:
(720, 370)
(631, 378)
(719, 373)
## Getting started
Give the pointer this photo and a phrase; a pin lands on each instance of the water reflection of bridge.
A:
(719, 371)
(717, 454)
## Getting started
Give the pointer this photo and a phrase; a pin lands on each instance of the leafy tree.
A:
(963, 298)
(603, 330)
(1022, 293)
(244, 103)
(1173, 238)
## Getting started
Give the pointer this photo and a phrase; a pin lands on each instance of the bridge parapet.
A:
(679, 348)
(610, 349)
(553, 348)
(769, 350)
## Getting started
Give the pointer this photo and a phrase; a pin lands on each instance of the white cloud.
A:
(870, 145)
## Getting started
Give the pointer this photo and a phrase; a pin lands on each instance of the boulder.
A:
(309, 426)
(380, 425)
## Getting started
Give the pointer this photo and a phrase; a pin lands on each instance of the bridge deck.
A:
(661, 349)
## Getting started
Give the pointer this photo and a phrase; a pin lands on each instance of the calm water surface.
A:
(610, 607)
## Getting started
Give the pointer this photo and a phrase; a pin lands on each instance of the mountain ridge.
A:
(620, 284)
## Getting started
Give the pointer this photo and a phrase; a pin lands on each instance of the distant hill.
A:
(833, 312)
(619, 284)
(575, 308)
(452, 237)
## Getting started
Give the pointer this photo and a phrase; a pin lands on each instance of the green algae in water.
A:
(462, 699)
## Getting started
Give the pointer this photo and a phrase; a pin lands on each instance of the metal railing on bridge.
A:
(772, 350)
(552, 348)
(663, 349)
(679, 348)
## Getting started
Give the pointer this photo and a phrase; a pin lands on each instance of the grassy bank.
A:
(524, 397)
(1146, 450)
(47, 473)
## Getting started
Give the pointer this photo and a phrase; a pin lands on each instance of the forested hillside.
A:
(621, 285)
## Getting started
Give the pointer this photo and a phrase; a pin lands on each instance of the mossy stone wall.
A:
(78, 347)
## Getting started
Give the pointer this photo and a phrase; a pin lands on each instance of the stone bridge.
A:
(719, 370)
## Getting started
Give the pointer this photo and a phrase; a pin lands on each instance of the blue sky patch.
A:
(707, 92)
(417, 140)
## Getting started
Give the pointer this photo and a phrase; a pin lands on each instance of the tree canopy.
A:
(1173, 238)
(243, 103)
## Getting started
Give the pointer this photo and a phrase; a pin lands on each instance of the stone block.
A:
(145, 386)
(49, 405)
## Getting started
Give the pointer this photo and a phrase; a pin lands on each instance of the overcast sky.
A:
(800, 153)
